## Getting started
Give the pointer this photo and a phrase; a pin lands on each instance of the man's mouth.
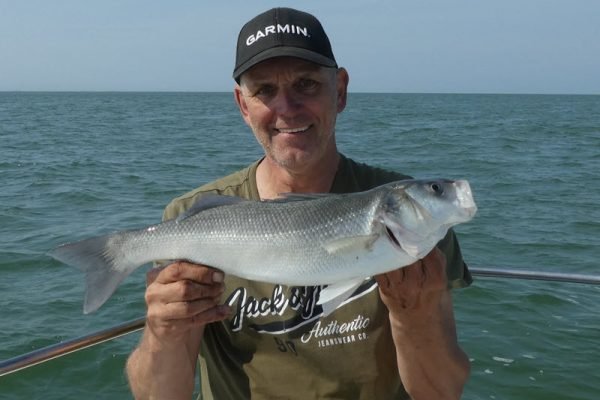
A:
(293, 130)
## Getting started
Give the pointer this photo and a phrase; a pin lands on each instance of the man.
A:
(396, 335)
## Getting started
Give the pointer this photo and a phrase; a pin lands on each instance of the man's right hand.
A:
(181, 299)
(183, 296)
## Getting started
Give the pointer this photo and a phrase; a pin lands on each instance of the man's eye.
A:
(265, 90)
(307, 84)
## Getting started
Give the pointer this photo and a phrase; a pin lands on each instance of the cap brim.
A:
(283, 51)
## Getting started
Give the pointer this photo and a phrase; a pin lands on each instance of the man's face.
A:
(291, 106)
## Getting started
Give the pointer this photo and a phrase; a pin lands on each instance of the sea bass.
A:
(298, 240)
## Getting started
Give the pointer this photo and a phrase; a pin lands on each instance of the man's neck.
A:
(273, 179)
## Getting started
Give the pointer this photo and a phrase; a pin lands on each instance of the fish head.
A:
(445, 201)
(418, 213)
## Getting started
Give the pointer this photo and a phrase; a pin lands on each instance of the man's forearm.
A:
(155, 372)
(431, 363)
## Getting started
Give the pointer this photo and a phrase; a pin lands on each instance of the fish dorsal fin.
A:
(349, 243)
(286, 197)
(210, 201)
(332, 296)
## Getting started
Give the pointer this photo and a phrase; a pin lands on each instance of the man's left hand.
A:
(413, 293)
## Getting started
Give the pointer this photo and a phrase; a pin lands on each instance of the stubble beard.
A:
(294, 159)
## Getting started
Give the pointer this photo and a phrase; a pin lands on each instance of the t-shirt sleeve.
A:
(457, 270)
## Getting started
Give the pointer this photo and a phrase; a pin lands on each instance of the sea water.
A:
(74, 165)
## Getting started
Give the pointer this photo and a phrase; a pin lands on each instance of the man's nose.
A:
(286, 102)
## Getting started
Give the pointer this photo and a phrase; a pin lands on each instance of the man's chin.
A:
(294, 159)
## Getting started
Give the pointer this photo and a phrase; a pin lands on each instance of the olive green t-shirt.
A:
(276, 345)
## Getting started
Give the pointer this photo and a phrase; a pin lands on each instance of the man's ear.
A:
(240, 100)
(342, 88)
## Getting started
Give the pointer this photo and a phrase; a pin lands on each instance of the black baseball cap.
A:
(282, 32)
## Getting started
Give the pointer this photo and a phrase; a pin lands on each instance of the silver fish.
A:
(301, 239)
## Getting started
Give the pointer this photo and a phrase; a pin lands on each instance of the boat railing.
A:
(72, 345)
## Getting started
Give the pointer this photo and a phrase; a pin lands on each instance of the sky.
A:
(403, 46)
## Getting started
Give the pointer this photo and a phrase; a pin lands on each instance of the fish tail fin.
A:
(103, 261)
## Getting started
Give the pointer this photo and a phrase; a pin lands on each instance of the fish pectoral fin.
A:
(350, 243)
(334, 295)
(209, 201)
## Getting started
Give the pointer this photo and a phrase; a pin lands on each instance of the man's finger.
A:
(413, 275)
(152, 274)
(188, 290)
(181, 270)
(189, 309)
(434, 266)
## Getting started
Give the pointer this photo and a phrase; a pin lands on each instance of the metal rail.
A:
(72, 345)
(535, 275)
(63, 348)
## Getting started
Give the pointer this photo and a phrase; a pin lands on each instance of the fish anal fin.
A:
(333, 295)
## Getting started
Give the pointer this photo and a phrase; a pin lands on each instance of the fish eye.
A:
(437, 188)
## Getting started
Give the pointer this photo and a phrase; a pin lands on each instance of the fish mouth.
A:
(464, 197)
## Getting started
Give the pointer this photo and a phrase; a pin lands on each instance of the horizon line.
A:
(349, 92)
